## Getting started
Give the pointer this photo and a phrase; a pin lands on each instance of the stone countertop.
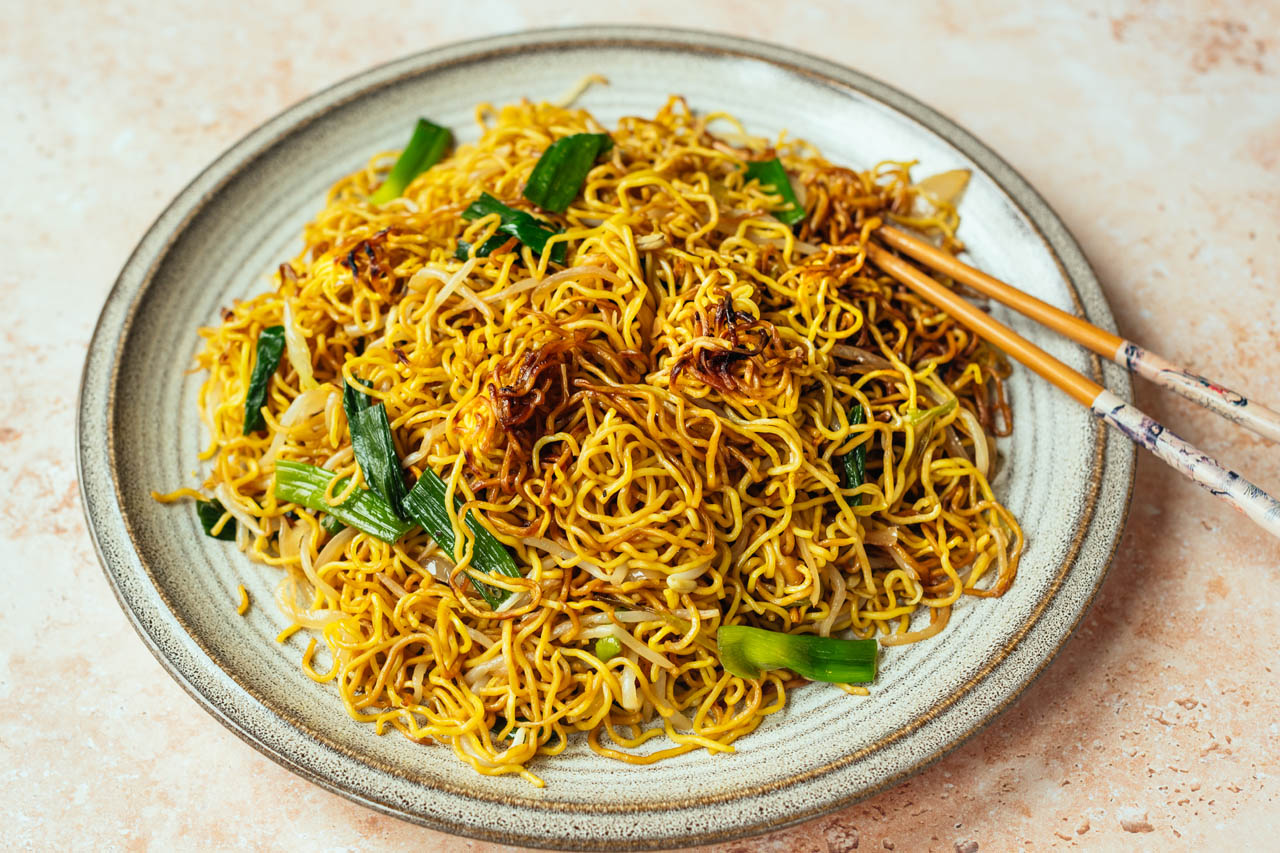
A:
(1154, 133)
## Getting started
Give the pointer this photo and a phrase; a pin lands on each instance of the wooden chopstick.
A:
(1213, 396)
(1201, 468)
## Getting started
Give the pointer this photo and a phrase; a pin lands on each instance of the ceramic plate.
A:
(1067, 481)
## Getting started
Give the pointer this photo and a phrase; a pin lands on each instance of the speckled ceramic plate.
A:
(1066, 480)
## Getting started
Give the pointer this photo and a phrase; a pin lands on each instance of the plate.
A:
(1067, 480)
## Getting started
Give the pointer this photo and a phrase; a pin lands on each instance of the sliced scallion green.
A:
(918, 417)
(270, 348)
(529, 230)
(557, 178)
(354, 399)
(331, 524)
(747, 652)
(305, 485)
(425, 148)
(425, 505)
(773, 177)
(853, 465)
(210, 513)
(484, 250)
(375, 449)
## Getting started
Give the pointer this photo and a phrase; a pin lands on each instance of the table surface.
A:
(1155, 135)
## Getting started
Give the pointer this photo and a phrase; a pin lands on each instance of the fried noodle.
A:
(653, 429)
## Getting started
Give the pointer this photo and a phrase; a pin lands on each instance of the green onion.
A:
(425, 505)
(210, 513)
(425, 148)
(747, 652)
(354, 399)
(375, 449)
(331, 524)
(305, 485)
(916, 417)
(853, 465)
(773, 177)
(533, 232)
(608, 648)
(485, 249)
(270, 348)
(558, 176)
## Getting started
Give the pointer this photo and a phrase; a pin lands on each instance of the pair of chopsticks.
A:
(1202, 469)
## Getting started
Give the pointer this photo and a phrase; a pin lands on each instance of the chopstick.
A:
(1213, 396)
(1143, 430)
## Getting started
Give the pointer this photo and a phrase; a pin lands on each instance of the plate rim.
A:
(111, 331)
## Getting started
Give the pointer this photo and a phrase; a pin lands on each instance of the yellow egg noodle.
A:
(654, 428)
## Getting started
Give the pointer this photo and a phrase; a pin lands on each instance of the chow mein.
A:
(574, 429)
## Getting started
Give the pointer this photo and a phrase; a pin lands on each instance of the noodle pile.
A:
(653, 429)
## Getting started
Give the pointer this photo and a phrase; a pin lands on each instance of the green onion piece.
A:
(425, 148)
(305, 485)
(354, 399)
(425, 505)
(484, 250)
(375, 452)
(270, 348)
(375, 449)
(608, 648)
(533, 232)
(916, 417)
(773, 177)
(562, 168)
(853, 465)
(211, 512)
(331, 524)
(747, 652)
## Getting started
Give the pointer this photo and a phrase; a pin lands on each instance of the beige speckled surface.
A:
(1154, 134)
